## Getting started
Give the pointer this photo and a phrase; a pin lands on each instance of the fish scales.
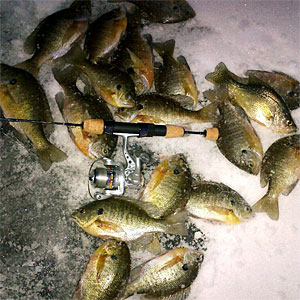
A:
(218, 202)
(169, 186)
(281, 171)
(166, 275)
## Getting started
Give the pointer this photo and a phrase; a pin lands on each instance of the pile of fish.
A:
(115, 62)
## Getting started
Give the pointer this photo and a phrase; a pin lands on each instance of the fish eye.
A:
(114, 257)
(139, 107)
(248, 208)
(176, 172)
(175, 7)
(244, 151)
(130, 71)
(104, 151)
(291, 94)
(185, 267)
(232, 202)
(122, 108)
(198, 259)
(119, 87)
(13, 81)
(289, 123)
(82, 211)
(100, 211)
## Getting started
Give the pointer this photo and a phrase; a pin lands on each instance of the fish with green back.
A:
(217, 202)
(286, 86)
(76, 108)
(174, 77)
(55, 35)
(158, 108)
(106, 274)
(104, 35)
(237, 140)
(261, 103)
(281, 172)
(167, 11)
(22, 97)
(168, 276)
(110, 83)
(169, 187)
(134, 55)
(125, 220)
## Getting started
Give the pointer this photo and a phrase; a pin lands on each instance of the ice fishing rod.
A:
(108, 177)
(99, 126)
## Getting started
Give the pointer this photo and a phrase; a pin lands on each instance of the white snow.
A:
(256, 260)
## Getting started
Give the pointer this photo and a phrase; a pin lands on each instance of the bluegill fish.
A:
(106, 273)
(218, 202)
(123, 220)
(260, 103)
(237, 140)
(168, 276)
(110, 83)
(134, 55)
(286, 86)
(281, 172)
(169, 186)
(164, 11)
(56, 34)
(157, 108)
(22, 97)
(76, 108)
(174, 77)
(104, 35)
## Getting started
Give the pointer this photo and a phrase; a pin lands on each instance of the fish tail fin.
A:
(220, 75)
(269, 205)
(165, 48)
(65, 76)
(209, 113)
(30, 66)
(176, 223)
(49, 155)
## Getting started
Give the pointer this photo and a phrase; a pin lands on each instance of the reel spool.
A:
(106, 179)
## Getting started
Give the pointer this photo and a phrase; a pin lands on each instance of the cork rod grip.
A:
(212, 134)
(174, 131)
(95, 126)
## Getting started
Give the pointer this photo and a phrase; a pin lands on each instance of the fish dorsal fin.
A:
(165, 49)
(31, 41)
(59, 98)
(182, 294)
(253, 80)
(182, 60)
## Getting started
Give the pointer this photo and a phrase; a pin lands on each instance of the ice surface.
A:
(43, 252)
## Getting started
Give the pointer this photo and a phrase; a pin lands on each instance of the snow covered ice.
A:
(43, 253)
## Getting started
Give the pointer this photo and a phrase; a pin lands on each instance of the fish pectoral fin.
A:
(170, 263)
(100, 264)
(288, 189)
(180, 295)
(108, 226)
(138, 63)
